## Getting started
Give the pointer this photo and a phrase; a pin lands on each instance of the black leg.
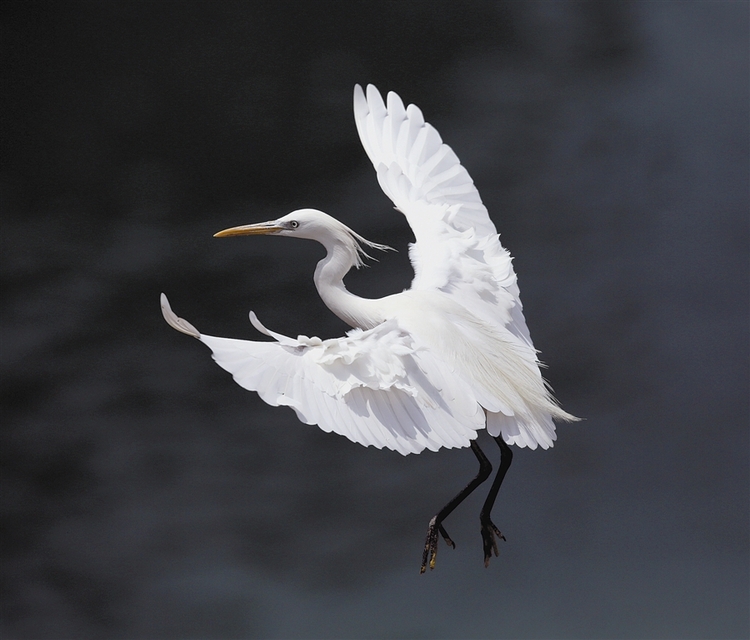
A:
(489, 530)
(436, 524)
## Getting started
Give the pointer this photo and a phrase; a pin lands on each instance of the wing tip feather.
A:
(174, 321)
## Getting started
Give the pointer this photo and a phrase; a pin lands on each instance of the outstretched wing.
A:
(375, 387)
(457, 249)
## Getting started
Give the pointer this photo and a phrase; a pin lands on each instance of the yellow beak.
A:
(260, 229)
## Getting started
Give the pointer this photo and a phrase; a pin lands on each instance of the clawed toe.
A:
(430, 546)
(429, 556)
(447, 538)
(490, 535)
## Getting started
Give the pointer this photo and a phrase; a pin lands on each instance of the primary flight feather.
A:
(425, 368)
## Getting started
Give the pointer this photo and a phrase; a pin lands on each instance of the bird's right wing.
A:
(457, 249)
(375, 387)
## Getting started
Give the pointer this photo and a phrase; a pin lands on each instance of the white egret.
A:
(425, 368)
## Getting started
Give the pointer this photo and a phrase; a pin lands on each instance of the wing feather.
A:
(374, 387)
(404, 416)
(362, 423)
(457, 248)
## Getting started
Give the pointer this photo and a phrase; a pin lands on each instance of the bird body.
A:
(428, 367)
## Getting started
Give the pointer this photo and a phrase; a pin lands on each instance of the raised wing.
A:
(457, 249)
(375, 387)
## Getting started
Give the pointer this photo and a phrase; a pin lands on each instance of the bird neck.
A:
(329, 280)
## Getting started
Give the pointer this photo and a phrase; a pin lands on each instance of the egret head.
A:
(309, 224)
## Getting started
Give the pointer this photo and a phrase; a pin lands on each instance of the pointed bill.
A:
(259, 229)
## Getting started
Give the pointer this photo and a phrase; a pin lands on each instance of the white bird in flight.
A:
(425, 368)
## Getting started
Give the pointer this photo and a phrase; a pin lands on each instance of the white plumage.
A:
(420, 368)
(425, 368)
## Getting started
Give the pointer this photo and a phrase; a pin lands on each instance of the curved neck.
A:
(329, 280)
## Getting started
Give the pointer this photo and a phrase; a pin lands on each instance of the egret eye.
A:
(293, 224)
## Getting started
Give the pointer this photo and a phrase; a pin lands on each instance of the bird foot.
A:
(490, 534)
(429, 556)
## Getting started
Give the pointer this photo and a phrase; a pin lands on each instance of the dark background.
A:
(145, 495)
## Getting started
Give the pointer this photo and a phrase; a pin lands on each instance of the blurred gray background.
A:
(145, 495)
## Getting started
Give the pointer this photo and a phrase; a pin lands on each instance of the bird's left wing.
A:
(457, 249)
(375, 387)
